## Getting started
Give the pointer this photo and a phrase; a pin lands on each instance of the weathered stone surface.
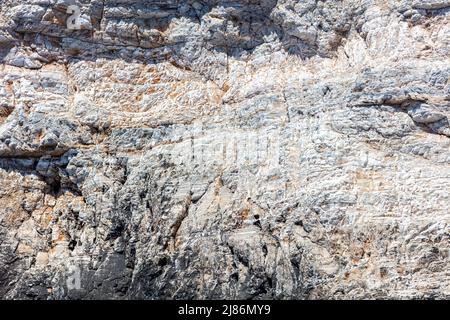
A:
(225, 149)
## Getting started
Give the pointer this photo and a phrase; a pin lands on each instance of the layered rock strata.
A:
(224, 149)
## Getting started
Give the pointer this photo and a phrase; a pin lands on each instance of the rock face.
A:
(224, 149)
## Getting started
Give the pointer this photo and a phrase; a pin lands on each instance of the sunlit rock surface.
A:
(225, 149)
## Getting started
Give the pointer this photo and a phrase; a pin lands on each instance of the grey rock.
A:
(225, 149)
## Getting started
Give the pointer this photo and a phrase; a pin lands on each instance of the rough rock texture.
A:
(225, 149)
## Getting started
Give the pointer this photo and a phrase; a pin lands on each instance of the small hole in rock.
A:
(72, 244)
